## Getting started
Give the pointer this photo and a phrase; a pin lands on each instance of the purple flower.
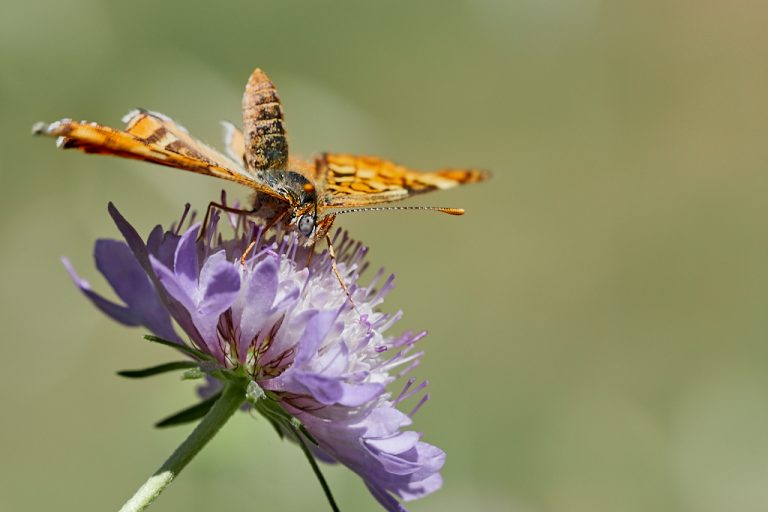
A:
(289, 327)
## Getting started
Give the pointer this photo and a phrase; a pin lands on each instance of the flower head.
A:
(280, 317)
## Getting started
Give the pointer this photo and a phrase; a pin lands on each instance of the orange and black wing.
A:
(151, 137)
(349, 180)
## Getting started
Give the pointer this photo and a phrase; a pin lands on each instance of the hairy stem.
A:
(231, 398)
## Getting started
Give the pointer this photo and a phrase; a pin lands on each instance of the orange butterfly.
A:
(290, 191)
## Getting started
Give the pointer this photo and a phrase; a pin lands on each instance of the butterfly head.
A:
(311, 226)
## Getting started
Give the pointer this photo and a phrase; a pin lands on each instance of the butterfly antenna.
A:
(449, 211)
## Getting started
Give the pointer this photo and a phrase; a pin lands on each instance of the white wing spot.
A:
(127, 118)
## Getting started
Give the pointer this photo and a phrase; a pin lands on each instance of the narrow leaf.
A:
(178, 346)
(156, 370)
(189, 414)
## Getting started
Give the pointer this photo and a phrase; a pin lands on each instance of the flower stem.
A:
(231, 398)
(316, 469)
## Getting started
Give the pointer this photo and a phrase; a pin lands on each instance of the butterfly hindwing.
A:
(234, 143)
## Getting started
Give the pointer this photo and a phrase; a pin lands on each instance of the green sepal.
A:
(306, 433)
(270, 407)
(189, 414)
(276, 415)
(157, 370)
(193, 352)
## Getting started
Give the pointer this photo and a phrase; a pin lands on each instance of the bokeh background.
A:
(597, 320)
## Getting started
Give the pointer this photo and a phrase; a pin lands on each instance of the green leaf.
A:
(197, 354)
(156, 370)
(189, 414)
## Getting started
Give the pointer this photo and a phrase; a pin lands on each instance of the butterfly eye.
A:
(306, 224)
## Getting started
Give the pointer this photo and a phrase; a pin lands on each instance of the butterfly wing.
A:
(234, 142)
(152, 137)
(350, 180)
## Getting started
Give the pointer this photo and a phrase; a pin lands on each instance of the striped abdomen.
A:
(266, 146)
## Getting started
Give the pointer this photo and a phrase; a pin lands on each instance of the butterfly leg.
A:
(223, 207)
(269, 226)
(335, 269)
(311, 253)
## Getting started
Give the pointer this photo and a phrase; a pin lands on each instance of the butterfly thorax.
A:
(294, 207)
(291, 187)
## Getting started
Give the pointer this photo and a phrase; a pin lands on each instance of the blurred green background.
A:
(597, 320)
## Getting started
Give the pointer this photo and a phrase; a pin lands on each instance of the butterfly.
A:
(295, 194)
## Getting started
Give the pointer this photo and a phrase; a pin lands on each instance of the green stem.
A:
(230, 401)
(315, 469)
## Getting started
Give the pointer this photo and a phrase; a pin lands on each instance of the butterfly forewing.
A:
(349, 180)
(156, 128)
(151, 137)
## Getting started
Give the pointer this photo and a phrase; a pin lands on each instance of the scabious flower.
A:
(280, 317)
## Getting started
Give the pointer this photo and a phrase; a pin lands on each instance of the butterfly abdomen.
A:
(266, 146)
